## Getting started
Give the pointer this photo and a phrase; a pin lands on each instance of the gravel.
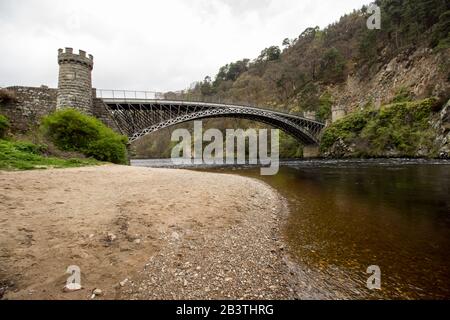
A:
(242, 261)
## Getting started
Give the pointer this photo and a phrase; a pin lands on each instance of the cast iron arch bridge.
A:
(138, 113)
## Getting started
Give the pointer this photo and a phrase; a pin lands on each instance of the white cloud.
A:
(149, 45)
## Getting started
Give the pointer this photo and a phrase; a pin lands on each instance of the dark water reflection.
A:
(348, 215)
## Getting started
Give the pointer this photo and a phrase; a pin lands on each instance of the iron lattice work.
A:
(138, 117)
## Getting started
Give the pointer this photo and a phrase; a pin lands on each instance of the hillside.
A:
(345, 65)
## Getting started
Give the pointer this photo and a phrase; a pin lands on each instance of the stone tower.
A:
(337, 112)
(75, 80)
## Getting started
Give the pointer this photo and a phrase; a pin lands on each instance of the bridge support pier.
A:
(311, 152)
(129, 153)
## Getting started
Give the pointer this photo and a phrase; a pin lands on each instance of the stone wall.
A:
(31, 105)
(310, 152)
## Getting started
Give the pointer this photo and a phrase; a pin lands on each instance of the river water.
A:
(348, 215)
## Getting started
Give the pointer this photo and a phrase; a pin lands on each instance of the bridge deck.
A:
(112, 102)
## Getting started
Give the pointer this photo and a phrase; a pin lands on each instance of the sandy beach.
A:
(140, 233)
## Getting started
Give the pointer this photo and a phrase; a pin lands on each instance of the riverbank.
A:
(140, 233)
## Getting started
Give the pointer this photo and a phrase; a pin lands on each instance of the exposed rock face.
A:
(340, 149)
(419, 71)
(442, 125)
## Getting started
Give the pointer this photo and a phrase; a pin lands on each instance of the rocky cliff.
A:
(415, 73)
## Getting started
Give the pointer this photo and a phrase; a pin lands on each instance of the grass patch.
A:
(18, 155)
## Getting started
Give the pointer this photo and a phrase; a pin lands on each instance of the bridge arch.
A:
(139, 118)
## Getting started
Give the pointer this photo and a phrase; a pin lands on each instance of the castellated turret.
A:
(75, 80)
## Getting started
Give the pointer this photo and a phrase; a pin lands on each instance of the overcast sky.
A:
(149, 45)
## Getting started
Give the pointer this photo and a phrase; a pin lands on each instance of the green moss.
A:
(400, 128)
(26, 156)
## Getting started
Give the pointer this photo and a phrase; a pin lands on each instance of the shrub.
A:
(71, 130)
(346, 128)
(4, 126)
(109, 148)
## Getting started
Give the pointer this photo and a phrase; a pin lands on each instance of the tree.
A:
(309, 33)
(441, 33)
(367, 50)
(206, 87)
(231, 71)
(332, 66)
(269, 54)
(309, 97)
(287, 43)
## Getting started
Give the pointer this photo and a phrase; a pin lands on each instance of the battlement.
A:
(67, 56)
(338, 108)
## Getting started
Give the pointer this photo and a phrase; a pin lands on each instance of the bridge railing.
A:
(125, 95)
(133, 96)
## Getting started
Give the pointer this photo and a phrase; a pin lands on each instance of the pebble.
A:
(175, 236)
(111, 237)
(97, 292)
(123, 283)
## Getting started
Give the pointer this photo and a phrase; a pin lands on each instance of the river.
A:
(346, 215)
